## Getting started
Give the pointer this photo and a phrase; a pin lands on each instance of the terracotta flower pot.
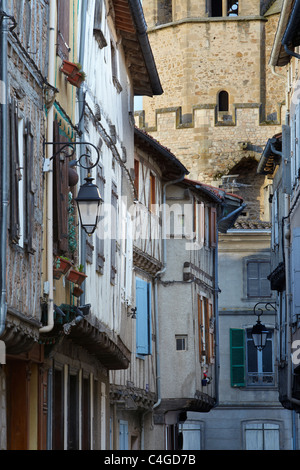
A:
(77, 292)
(61, 267)
(69, 68)
(76, 277)
(76, 79)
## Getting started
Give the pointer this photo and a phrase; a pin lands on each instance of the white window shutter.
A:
(129, 259)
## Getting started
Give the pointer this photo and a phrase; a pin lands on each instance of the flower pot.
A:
(76, 79)
(76, 277)
(61, 267)
(69, 68)
(77, 292)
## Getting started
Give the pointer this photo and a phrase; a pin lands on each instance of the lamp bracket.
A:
(72, 145)
(258, 311)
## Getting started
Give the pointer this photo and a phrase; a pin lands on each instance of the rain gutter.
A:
(141, 29)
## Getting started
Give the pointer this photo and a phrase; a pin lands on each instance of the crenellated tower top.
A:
(221, 101)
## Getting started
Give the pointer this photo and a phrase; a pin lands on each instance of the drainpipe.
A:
(216, 308)
(49, 177)
(81, 104)
(3, 162)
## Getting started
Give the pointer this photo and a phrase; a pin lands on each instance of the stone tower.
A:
(221, 101)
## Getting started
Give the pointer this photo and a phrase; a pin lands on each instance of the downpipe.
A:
(3, 161)
(49, 177)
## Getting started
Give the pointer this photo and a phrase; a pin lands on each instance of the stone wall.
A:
(197, 57)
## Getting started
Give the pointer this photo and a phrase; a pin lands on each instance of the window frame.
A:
(261, 374)
(259, 294)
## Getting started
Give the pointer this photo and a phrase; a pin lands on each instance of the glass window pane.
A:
(252, 357)
(267, 357)
(254, 440)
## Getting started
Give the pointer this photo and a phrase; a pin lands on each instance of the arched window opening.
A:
(223, 101)
(215, 7)
(232, 8)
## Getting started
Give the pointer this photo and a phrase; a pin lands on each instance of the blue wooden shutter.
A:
(123, 435)
(237, 357)
(143, 317)
(295, 281)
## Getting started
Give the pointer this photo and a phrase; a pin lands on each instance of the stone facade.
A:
(198, 56)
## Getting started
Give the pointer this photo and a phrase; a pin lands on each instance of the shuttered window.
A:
(114, 208)
(100, 258)
(22, 184)
(63, 15)
(60, 195)
(123, 435)
(258, 284)
(213, 227)
(237, 357)
(143, 317)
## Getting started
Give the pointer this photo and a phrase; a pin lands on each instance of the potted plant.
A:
(69, 68)
(77, 292)
(77, 276)
(77, 78)
(61, 266)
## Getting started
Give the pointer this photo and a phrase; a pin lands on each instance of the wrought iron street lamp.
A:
(88, 199)
(259, 332)
(88, 203)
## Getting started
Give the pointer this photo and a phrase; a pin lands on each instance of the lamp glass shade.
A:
(259, 334)
(88, 204)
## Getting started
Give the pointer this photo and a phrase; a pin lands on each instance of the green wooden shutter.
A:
(237, 357)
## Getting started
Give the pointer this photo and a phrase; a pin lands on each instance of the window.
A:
(223, 101)
(60, 194)
(232, 8)
(181, 342)
(100, 235)
(114, 209)
(206, 330)
(152, 196)
(136, 176)
(214, 8)
(260, 369)
(258, 284)
(22, 186)
(191, 435)
(63, 18)
(123, 435)
(261, 436)
(143, 317)
(248, 365)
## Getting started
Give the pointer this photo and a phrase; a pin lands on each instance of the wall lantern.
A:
(259, 332)
(88, 199)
